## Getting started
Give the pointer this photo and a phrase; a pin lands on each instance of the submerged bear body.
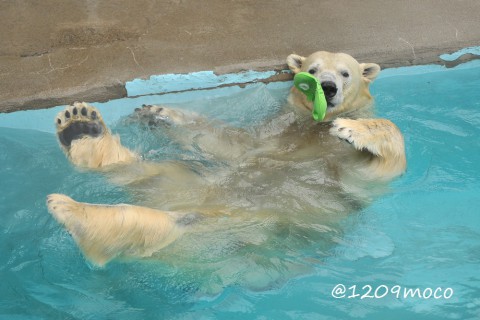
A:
(289, 173)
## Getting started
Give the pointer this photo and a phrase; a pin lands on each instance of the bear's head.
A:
(344, 81)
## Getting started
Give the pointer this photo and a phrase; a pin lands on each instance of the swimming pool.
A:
(425, 233)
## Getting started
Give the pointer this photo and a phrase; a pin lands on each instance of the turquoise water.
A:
(425, 233)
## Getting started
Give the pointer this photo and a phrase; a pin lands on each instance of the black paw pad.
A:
(78, 130)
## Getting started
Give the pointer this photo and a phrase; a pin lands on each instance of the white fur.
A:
(106, 232)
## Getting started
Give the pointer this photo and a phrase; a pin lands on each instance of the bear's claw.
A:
(151, 115)
(342, 133)
(154, 116)
(78, 121)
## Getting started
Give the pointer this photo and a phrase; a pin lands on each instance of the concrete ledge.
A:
(65, 96)
(55, 52)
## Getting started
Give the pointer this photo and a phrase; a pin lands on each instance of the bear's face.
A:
(343, 80)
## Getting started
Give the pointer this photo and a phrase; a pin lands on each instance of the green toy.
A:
(310, 86)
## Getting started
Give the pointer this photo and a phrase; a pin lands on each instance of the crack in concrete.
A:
(411, 46)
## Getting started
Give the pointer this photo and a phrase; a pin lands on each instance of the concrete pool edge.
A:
(57, 52)
(207, 80)
(218, 86)
(213, 79)
(202, 80)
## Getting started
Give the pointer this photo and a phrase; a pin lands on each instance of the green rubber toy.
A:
(310, 86)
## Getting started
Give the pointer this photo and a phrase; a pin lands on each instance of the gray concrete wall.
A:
(53, 52)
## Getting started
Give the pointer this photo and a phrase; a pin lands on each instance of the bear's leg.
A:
(104, 232)
(87, 141)
(381, 138)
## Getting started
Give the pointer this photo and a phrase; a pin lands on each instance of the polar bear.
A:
(264, 170)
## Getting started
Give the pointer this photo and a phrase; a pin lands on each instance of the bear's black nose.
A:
(329, 88)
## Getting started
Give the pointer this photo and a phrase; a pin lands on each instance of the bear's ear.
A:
(370, 70)
(295, 62)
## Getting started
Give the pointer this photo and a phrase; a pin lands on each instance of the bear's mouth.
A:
(330, 105)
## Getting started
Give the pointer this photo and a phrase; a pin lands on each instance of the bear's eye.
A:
(345, 74)
(312, 71)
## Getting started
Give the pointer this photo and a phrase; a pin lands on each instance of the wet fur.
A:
(374, 152)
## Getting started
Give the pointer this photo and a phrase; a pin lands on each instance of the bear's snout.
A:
(329, 88)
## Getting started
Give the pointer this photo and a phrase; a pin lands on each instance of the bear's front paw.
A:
(341, 130)
(78, 121)
(360, 133)
(153, 116)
